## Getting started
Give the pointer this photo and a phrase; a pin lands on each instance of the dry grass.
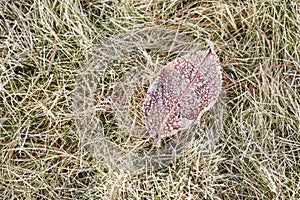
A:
(43, 45)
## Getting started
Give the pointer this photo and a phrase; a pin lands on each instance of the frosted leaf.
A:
(184, 89)
(107, 109)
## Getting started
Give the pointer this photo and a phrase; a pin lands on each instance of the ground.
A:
(45, 45)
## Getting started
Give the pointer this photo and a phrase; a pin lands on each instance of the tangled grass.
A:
(43, 46)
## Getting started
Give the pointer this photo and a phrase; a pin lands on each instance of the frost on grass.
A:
(108, 109)
(184, 89)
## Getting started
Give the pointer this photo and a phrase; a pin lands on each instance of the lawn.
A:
(74, 76)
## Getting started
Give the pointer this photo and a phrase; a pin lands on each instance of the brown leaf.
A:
(184, 89)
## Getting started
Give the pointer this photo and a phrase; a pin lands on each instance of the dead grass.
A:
(43, 46)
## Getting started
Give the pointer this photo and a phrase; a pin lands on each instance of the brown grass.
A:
(43, 48)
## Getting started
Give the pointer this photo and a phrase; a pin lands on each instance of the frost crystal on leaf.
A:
(184, 89)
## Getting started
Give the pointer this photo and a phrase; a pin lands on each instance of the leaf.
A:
(183, 90)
